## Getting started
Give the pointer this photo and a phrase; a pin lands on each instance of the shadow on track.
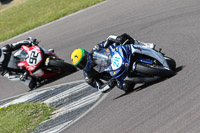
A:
(178, 69)
(47, 81)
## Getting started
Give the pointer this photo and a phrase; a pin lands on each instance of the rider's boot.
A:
(104, 88)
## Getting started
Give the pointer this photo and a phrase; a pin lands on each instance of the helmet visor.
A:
(83, 63)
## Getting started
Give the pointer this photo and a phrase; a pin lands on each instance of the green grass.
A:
(33, 13)
(24, 117)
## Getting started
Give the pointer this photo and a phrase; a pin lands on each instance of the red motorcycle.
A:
(41, 63)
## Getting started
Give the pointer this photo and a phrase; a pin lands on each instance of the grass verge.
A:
(23, 117)
(29, 14)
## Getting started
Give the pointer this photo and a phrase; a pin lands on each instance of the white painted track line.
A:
(66, 93)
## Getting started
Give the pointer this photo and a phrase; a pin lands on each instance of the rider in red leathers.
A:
(6, 64)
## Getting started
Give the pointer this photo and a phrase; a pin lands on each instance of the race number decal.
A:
(116, 61)
(34, 58)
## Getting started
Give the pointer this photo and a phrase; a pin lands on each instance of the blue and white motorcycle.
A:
(136, 63)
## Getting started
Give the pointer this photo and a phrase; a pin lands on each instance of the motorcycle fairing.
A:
(149, 52)
(121, 58)
(34, 58)
(120, 61)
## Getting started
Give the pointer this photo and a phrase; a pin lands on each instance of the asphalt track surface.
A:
(169, 106)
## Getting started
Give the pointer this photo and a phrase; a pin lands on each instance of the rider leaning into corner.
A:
(5, 63)
(84, 61)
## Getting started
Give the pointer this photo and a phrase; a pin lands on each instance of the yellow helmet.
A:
(79, 58)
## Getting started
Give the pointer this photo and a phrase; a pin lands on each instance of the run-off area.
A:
(70, 100)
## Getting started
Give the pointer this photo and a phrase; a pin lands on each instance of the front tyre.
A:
(128, 86)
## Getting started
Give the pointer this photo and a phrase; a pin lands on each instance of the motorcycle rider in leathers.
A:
(5, 62)
(83, 60)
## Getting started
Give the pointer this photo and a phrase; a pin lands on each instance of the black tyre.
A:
(153, 70)
(171, 62)
(128, 86)
(62, 65)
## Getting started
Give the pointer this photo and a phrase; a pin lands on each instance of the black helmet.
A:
(124, 38)
(33, 40)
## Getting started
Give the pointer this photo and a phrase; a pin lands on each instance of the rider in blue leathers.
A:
(91, 71)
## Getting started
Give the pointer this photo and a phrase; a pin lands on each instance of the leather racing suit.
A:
(7, 66)
(94, 78)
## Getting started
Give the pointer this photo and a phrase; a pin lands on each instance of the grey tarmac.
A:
(170, 106)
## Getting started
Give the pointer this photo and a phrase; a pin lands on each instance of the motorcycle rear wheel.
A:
(62, 65)
(154, 70)
(171, 62)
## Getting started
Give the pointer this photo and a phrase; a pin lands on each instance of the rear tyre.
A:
(62, 65)
(154, 70)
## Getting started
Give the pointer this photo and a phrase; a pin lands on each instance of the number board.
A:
(34, 58)
(116, 61)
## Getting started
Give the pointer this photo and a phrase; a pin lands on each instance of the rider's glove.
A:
(96, 47)
(24, 76)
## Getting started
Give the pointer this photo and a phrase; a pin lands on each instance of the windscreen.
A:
(102, 57)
